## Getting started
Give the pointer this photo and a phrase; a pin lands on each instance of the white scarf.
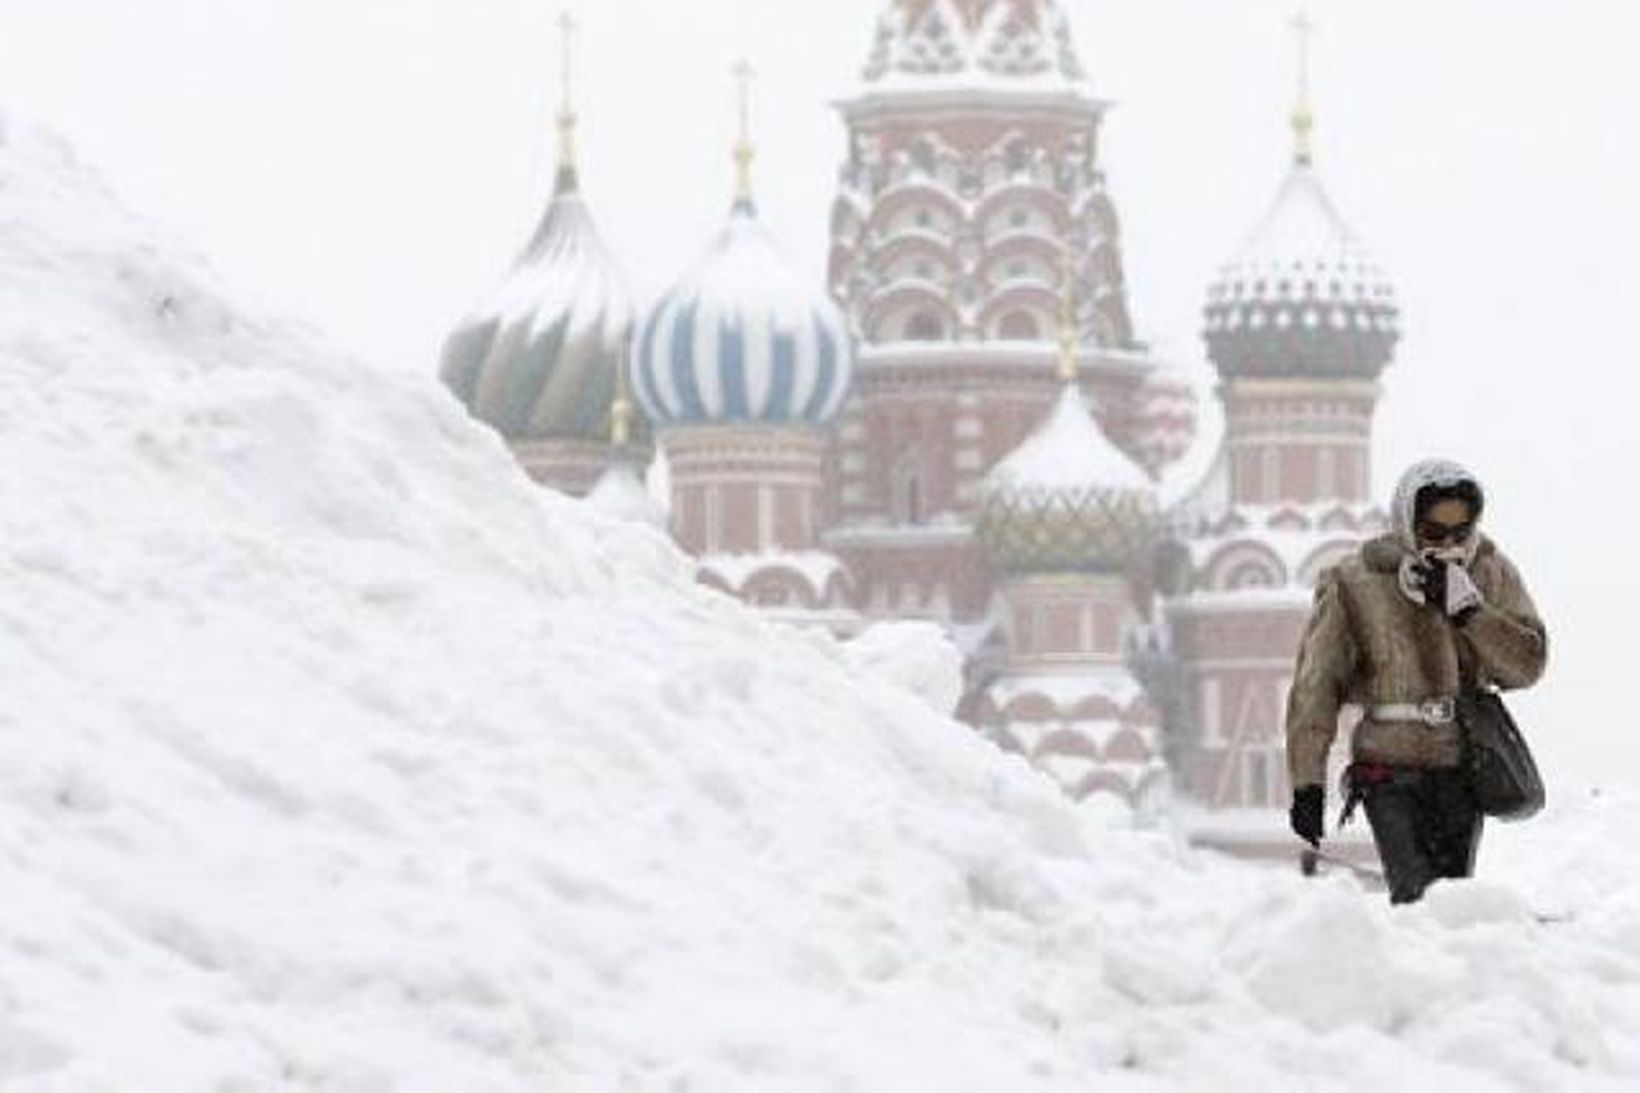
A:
(1461, 592)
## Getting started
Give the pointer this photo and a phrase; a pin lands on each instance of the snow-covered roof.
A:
(1302, 274)
(743, 337)
(1302, 235)
(1066, 453)
(1066, 499)
(1302, 224)
(538, 357)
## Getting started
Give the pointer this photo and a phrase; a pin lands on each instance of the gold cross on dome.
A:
(743, 76)
(567, 27)
(743, 147)
(1303, 26)
(1303, 118)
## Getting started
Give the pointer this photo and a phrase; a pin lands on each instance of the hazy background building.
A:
(975, 432)
(1483, 149)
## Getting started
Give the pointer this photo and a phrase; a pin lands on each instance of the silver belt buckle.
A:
(1437, 711)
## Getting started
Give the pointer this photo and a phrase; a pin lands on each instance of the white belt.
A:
(1431, 711)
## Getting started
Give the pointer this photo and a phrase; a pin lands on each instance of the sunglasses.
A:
(1433, 531)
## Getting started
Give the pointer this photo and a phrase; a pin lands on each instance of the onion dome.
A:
(1303, 297)
(1066, 499)
(538, 358)
(742, 338)
(1013, 41)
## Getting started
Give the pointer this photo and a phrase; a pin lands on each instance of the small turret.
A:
(538, 359)
(1303, 297)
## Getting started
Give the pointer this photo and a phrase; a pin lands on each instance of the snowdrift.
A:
(335, 756)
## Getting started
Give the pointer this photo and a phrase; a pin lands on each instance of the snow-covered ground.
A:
(336, 756)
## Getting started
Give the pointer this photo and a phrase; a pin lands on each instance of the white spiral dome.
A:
(742, 339)
(537, 359)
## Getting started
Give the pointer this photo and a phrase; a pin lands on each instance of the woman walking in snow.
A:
(1401, 628)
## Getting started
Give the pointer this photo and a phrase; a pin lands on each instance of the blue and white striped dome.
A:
(743, 339)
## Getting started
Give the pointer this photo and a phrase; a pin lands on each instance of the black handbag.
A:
(1502, 773)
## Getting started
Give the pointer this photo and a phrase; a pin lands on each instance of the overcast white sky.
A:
(373, 165)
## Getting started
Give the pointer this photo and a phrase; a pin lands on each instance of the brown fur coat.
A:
(1367, 644)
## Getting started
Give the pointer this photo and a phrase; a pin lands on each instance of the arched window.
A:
(924, 326)
(1018, 326)
(1250, 575)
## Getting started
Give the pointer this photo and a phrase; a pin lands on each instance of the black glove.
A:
(1448, 588)
(1431, 576)
(1309, 803)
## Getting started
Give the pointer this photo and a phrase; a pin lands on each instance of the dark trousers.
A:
(1426, 825)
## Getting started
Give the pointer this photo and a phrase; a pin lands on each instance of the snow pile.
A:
(918, 656)
(335, 756)
(620, 493)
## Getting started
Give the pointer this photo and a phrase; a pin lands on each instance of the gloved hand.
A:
(1463, 599)
(1305, 817)
(1430, 575)
(1447, 587)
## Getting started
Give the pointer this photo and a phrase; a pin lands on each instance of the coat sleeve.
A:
(1321, 679)
(1508, 640)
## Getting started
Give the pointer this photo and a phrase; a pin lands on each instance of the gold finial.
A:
(1303, 118)
(566, 104)
(743, 146)
(1067, 314)
(620, 411)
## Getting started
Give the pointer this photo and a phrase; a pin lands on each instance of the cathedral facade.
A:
(958, 421)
